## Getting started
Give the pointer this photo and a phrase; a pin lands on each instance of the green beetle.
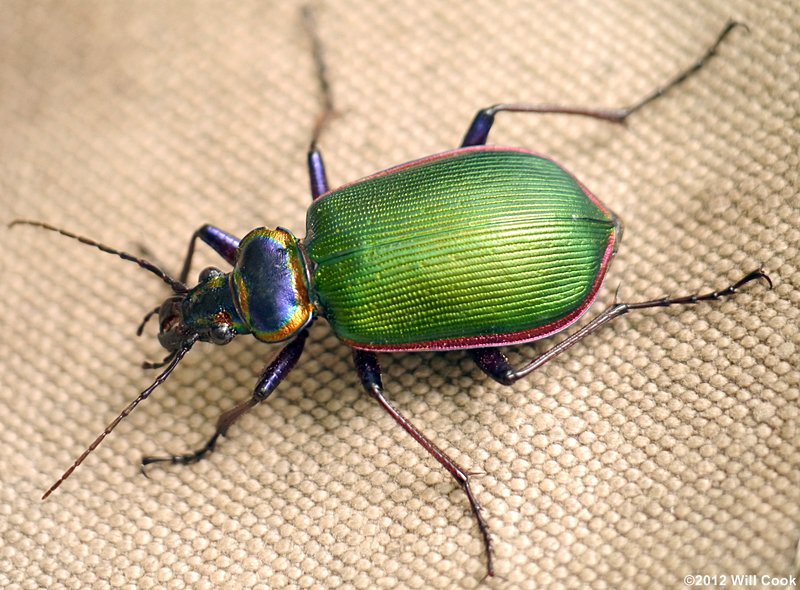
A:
(474, 248)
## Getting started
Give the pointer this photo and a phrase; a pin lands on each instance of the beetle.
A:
(474, 248)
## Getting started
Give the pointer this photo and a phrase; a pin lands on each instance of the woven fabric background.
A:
(663, 446)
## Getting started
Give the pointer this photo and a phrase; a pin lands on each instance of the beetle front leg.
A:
(494, 363)
(482, 123)
(370, 373)
(271, 377)
(220, 241)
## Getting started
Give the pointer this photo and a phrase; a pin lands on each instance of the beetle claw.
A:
(763, 275)
(616, 293)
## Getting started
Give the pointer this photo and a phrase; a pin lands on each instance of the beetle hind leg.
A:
(370, 374)
(494, 363)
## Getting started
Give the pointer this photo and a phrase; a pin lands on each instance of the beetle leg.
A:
(316, 171)
(494, 363)
(271, 377)
(482, 123)
(316, 167)
(370, 373)
(221, 242)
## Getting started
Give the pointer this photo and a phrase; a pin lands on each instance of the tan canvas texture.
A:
(664, 446)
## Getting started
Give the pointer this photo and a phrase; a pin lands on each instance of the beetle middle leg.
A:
(271, 377)
(370, 373)
(494, 363)
(482, 123)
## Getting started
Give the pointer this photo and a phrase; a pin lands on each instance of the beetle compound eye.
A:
(221, 333)
(209, 272)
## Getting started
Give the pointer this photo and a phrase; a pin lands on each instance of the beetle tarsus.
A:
(688, 72)
(187, 459)
(728, 291)
(328, 111)
(316, 166)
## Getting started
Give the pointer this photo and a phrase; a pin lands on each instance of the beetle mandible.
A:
(474, 248)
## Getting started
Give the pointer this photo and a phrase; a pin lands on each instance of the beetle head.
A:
(205, 312)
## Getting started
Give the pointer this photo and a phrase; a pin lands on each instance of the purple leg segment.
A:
(370, 373)
(316, 171)
(478, 131)
(220, 241)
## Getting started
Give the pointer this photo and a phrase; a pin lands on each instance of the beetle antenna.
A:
(176, 358)
(177, 286)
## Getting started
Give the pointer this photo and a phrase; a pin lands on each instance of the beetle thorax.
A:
(269, 285)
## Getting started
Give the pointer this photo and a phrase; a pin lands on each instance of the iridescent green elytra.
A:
(474, 247)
